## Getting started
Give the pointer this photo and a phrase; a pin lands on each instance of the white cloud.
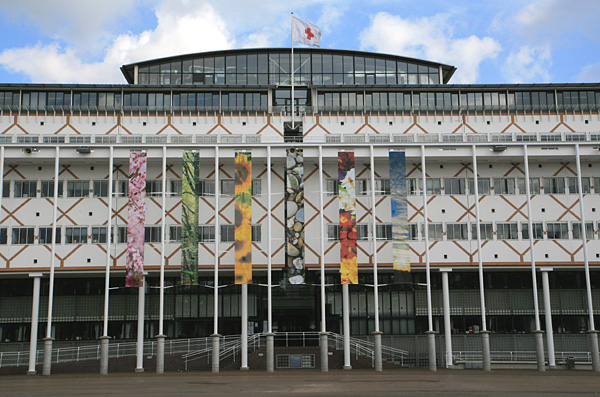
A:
(557, 17)
(430, 38)
(589, 73)
(529, 65)
(182, 27)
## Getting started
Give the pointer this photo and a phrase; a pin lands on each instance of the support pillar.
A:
(539, 349)
(485, 350)
(46, 369)
(447, 325)
(160, 354)
(548, 317)
(378, 358)
(593, 340)
(346, 323)
(104, 340)
(215, 352)
(270, 352)
(431, 345)
(35, 315)
(244, 366)
(139, 367)
(324, 351)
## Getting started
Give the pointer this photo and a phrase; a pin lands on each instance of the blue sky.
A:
(509, 41)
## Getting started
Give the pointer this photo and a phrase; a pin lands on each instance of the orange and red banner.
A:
(347, 201)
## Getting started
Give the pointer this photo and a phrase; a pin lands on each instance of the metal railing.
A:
(519, 356)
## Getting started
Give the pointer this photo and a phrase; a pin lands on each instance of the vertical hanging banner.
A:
(398, 196)
(243, 218)
(136, 218)
(347, 200)
(189, 218)
(294, 229)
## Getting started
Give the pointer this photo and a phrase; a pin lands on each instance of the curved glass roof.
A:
(272, 67)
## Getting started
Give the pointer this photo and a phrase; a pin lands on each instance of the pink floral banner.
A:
(137, 217)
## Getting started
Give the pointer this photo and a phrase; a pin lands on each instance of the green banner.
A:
(189, 218)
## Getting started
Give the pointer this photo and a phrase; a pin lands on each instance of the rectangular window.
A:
(122, 234)
(413, 231)
(538, 230)
(153, 188)
(99, 234)
(25, 189)
(207, 187)
(412, 185)
(436, 231)
(554, 185)
(22, 235)
(5, 188)
(175, 233)
(362, 187)
(124, 188)
(100, 188)
(454, 186)
(45, 235)
(47, 189)
(362, 232)
(596, 185)
(506, 231)
(384, 231)
(557, 230)
(76, 235)
(3, 235)
(589, 230)
(78, 188)
(585, 184)
(456, 231)
(333, 232)
(152, 234)
(434, 186)
(504, 186)
(206, 233)
(332, 187)
(534, 185)
(176, 188)
(227, 187)
(487, 231)
(228, 233)
(483, 186)
(256, 233)
(256, 187)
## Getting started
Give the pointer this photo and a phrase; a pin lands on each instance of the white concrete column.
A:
(215, 335)
(447, 325)
(270, 335)
(593, 335)
(485, 337)
(539, 334)
(35, 315)
(548, 316)
(139, 346)
(47, 365)
(377, 333)
(430, 332)
(244, 327)
(324, 343)
(160, 338)
(104, 339)
(346, 323)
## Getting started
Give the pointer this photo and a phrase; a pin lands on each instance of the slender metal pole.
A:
(548, 316)
(323, 334)
(539, 337)
(215, 335)
(447, 325)
(46, 370)
(270, 336)
(139, 347)
(346, 323)
(244, 327)
(485, 335)
(104, 339)
(430, 332)
(160, 338)
(592, 333)
(35, 315)
(377, 333)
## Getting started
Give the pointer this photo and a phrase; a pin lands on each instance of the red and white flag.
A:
(305, 32)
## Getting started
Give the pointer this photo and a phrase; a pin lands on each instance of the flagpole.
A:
(292, 63)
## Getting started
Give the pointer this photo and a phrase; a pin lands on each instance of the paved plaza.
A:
(310, 382)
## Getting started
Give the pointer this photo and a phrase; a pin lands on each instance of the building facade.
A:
(476, 144)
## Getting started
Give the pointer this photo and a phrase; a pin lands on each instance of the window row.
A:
(98, 234)
(467, 231)
(84, 188)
